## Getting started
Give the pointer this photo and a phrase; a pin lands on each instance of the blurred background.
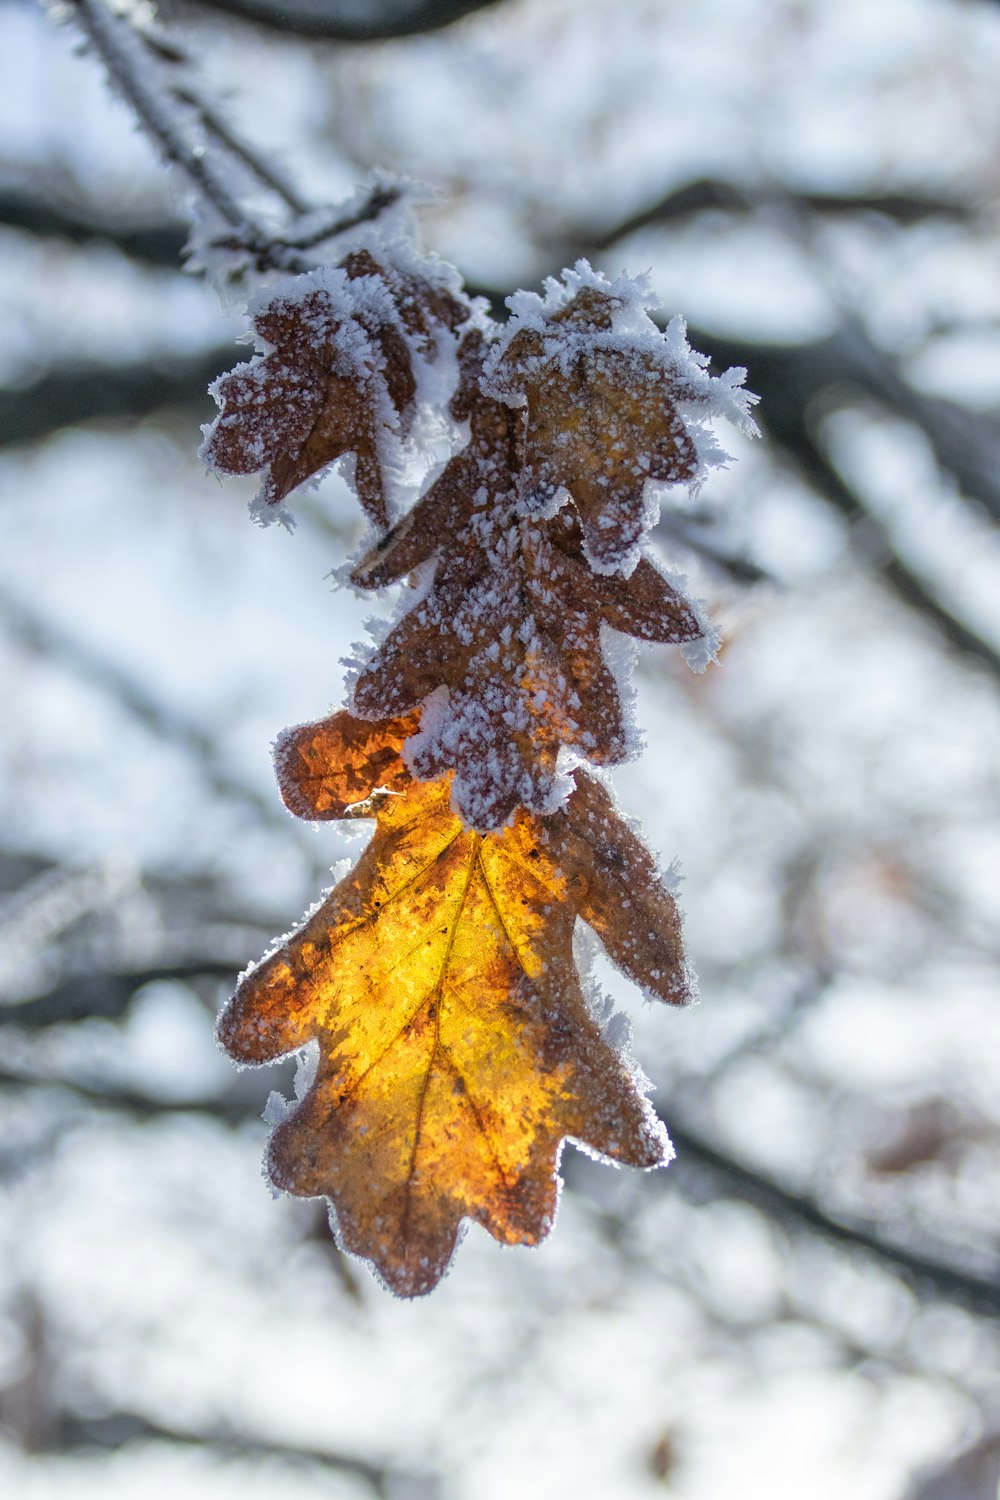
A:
(806, 1303)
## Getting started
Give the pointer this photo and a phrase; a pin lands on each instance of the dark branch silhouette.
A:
(332, 20)
(705, 195)
(798, 1211)
(928, 1275)
(51, 215)
(791, 379)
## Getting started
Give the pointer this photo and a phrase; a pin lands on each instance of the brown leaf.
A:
(602, 419)
(483, 475)
(456, 1050)
(337, 377)
(511, 626)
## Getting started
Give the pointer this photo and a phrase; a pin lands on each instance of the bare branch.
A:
(792, 379)
(701, 538)
(795, 1211)
(335, 21)
(930, 1276)
(216, 126)
(153, 244)
(105, 994)
(799, 377)
(70, 1433)
(162, 244)
(167, 724)
(878, 545)
(121, 50)
(707, 194)
(88, 392)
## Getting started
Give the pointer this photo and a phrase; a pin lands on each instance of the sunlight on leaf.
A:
(457, 1049)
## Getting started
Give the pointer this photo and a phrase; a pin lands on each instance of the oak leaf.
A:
(610, 403)
(337, 376)
(512, 626)
(456, 1048)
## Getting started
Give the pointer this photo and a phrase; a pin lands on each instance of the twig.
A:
(325, 19)
(798, 1211)
(705, 195)
(167, 724)
(105, 993)
(131, 57)
(120, 49)
(169, 52)
(154, 244)
(381, 197)
(799, 442)
(72, 1433)
(702, 540)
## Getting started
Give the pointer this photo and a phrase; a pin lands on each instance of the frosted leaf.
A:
(342, 368)
(511, 625)
(610, 403)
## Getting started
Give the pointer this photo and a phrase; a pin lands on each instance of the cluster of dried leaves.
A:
(456, 1048)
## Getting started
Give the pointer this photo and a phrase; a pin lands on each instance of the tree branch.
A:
(163, 244)
(89, 392)
(106, 994)
(336, 21)
(71, 1433)
(926, 1274)
(167, 724)
(800, 444)
(929, 1275)
(704, 195)
(185, 88)
(152, 244)
(147, 69)
(120, 49)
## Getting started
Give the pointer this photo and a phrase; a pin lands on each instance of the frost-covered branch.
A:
(186, 88)
(128, 62)
(156, 77)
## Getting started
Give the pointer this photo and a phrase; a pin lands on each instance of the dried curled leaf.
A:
(337, 376)
(456, 1050)
(511, 626)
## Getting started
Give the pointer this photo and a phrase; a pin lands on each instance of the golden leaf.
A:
(456, 1048)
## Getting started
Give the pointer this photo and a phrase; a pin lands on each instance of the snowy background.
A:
(805, 1304)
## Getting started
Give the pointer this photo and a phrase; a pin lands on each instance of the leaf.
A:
(337, 376)
(456, 1049)
(483, 475)
(511, 626)
(600, 422)
(610, 402)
